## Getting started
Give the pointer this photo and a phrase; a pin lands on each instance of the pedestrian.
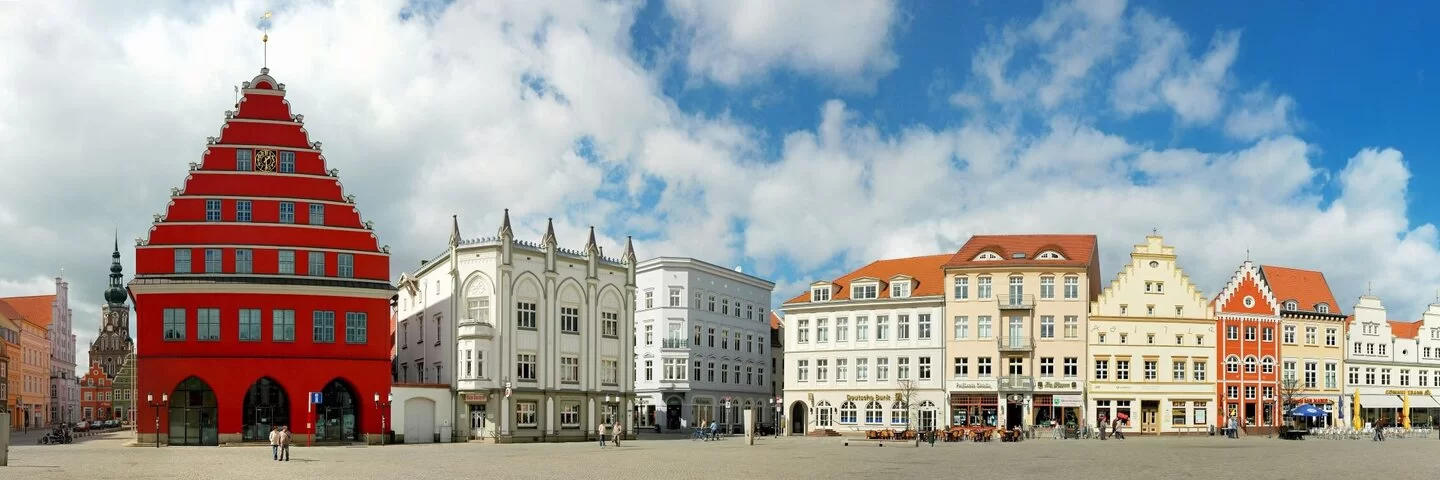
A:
(616, 433)
(275, 443)
(1102, 426)
(932, 438)
(1116, 430)
(285, 443)
(601, 430)
(714, 430)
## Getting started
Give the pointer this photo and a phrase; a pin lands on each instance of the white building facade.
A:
(704, 344)
(64, 384)
(534, 339)
(1386, 362)
(864, 352)
(1152, 341)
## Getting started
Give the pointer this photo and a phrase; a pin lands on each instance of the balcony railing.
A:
(1015, 302)
(472, 328)
(675, 343)
(1016, 343)
(1016, 383)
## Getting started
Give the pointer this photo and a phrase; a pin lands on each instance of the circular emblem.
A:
(265, 160)
(1249, 301)
(1154, 264)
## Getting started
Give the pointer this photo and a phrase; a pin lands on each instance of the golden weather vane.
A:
(265, 39)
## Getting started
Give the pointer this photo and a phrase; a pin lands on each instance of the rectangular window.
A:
(842, 329)
(1312, 374)
(1250, 333)
(1177, 370)
(924, 368)
(244, 260)
(983, 367)
(182, 260)
(213, 257)
(287, 262)
(862, 329)
(1072, 367)
(323, 328)
(1072, 326)
(802, 371)
(242, 160)
(962, 367)
(982, 288)
(1047, 326)
(525, 413)
(356, 325)
(249, 325)
(842, 369)
(525, 367)
(344, 265)
(924, 326)
(902, 327)
(882, 369)
(1152, 368)
(1332, 376)
(317, 264)
(287, 212)
(902, 368)
(287, 162)
(962, 327)
(882, 328)
(570, 369)
(282, 325)
(675, 296)
(962, 288)
(610, 324)
(1232, 332)
(1287, 334)
(317, 214)
(525, 315)
(1047, 367)
(174, 324)
(1102, 369)
(609, 372)
(212, 210)
(982, 327)
(242, 210)
(569, 320)
(1072, 288)
(207, 324)
(1330, 337)
(1312, 335)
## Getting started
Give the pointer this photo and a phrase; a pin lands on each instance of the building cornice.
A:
(1128, 319)
(257, 246)
(880, 303)
(664, 263)
(260, 284)
(1026, 268)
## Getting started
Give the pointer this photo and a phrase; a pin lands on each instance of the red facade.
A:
(259, 287)
(95, 391)
(1248, 352)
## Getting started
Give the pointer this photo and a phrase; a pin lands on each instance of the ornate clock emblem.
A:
(265, 160)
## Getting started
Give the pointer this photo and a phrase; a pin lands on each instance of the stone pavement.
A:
(1209, 458)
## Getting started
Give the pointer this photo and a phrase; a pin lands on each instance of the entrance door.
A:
(193, 414)
(477, 421)
(927, 420)
(1149, 416)
(265, 407)
(797, 418)
(1016, 335)
(672, 414)
(1014, 414)
(419, 420)
(337, 416)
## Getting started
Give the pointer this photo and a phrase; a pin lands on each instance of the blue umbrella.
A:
(1307, 410)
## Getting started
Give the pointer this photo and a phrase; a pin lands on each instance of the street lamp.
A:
(164, 399)
(383, 408)
(779, 404)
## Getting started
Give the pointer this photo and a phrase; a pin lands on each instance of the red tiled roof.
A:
(35, 308)
(1306, 287)
(1404, 329)
(925, 271)
(774, 320)
(1078, 250)
(8, 312)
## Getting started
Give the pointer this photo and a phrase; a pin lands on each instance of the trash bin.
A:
(1071, 431)
(1212, 430)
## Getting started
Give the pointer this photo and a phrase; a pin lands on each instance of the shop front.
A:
(974, 403)
(1153, 408)
(1393, 408)
(1057, 403)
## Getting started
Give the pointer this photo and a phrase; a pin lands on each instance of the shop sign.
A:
(982, 384)
(866, 398)
(1058, 385)
(1408, 392)
(1067, 401)
(476, 398)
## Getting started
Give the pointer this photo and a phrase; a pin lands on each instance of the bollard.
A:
(4, 439)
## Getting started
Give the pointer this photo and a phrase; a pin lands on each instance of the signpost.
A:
(311, 408)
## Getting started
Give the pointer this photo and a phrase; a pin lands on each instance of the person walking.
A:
(1102, 426)
(601, 430)
(616, 433)
(275, 443)
(285, 444)
(1119, 435)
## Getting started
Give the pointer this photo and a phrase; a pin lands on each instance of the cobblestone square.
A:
(106, 457)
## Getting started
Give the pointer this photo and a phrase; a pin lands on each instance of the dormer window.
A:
(817, 294)
(900, 289)
(1322, 308)
(1292, 305)
(867, 291)
(987, 256)
(1049, 255)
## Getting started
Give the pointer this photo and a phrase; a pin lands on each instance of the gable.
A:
(1247, 283)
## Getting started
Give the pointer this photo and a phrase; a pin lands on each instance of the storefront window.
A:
(1199, 412)
(1177, 413)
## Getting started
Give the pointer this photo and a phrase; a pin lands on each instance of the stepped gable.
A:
(263, 155)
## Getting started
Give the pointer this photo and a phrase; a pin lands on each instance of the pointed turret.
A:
(115, 294)
(549, 240)
(629, 257)
(454, 230)
(505, 233)
(590, 247)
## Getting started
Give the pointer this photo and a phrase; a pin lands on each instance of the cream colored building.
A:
(1015, 311)
(1312, 337)
(1152, 347)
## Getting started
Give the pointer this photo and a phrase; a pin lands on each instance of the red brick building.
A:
(259, 287)
(95, 391)
(1247, 386)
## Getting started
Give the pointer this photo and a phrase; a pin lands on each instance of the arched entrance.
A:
(193, 414)
(337, 417)
(672, 413)
(266, 406)
(797, 418)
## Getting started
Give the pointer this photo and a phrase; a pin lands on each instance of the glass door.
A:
(1016, 334)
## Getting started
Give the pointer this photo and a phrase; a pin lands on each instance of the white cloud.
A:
(1261, 114)
(740, 41)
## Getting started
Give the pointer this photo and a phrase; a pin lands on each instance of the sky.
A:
(792, 138)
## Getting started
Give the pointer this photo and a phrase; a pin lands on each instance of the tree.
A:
(906, 397)
(1289, 394)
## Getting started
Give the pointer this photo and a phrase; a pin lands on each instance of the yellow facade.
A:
(1152, 347)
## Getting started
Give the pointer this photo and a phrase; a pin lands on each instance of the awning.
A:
(1418, 401)
(1381, 401)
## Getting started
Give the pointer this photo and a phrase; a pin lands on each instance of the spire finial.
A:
(505, 231)
(549, 239)
(591, 243)
(265, 39)
(1247, 254)
(454, 230)
(629, 256)
(1155, 230)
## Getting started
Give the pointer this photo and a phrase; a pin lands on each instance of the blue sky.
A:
(797, 139)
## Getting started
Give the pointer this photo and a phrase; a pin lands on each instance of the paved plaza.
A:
(1210, 458)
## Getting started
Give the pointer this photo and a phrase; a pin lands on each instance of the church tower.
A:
(113, 345)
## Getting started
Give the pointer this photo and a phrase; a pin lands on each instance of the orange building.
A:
(1248, 316)
(32, 402)
(95, 390)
